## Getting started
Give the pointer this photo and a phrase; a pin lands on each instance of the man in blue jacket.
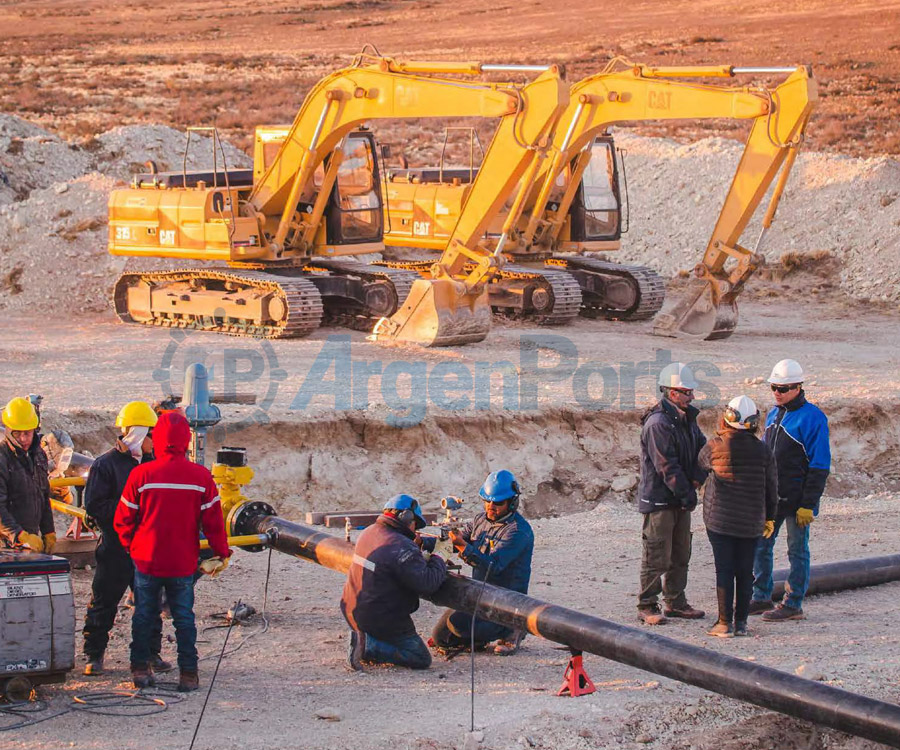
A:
(386, 578)
(498, 544)
(670, 476)
(797, 433)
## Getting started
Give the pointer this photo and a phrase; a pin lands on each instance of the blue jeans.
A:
(798, 555)
(455, 629)
(180, 595)
(409, 651)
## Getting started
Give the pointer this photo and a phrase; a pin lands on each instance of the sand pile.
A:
(846, 206)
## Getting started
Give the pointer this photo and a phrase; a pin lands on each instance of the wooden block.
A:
(315, 518)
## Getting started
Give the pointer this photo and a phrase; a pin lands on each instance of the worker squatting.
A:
(151, 503)
(408, 388)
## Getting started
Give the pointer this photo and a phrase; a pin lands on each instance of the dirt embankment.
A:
(566, 461)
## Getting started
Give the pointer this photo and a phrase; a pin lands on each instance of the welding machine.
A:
(37, 621)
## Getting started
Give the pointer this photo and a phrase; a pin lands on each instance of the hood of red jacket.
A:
(172, 434)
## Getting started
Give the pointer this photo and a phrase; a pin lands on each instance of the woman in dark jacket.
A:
(739, 504)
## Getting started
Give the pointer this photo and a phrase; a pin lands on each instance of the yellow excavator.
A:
(573, 205)
(314, 195)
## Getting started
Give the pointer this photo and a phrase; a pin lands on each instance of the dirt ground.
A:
(268, 694)
(578, 468)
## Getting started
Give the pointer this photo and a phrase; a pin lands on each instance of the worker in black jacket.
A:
(670, 476)
(739, 502)
(26, 519)
(115, 571)
(385, 580)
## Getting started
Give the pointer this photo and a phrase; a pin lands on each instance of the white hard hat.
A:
(677, 375)
(742, 413)
(786, 372)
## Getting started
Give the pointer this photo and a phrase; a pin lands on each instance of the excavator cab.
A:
(354, 213)
(595, 217)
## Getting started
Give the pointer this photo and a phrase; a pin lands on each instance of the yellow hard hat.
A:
(136, 414)
(19, 414)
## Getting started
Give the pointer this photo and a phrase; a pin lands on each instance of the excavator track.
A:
(545, 296)
(296, 300)
(379, 291)
(549, 297)
(615, 291)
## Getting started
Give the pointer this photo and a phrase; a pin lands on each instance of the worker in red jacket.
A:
(158, 520)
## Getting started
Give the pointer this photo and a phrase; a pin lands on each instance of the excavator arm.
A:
(641, 93)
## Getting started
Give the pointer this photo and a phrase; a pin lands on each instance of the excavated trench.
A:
(567, 461)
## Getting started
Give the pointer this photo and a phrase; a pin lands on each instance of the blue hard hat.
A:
(406, 504)
(499, 487)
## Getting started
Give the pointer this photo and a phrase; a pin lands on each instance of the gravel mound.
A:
(53, 198)
(845, 206)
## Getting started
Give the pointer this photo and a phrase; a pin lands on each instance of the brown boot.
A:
(652, 615)
(685, 612)
(142, 676)
(721, 629)
(188, 681)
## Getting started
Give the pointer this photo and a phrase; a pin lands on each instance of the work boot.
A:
(159, 664)
(685, 612)
(758, 606)
(356, 650)
(94, 666)
(509, 646)
(721, 629)
(188, 681)
(142, 676)
(740, 628)
(652, 615)
(782, 612)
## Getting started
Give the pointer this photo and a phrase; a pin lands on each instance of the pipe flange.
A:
(238, 521)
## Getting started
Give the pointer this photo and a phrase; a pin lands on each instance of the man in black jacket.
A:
(386, 578)
(26, 518)
(670, 476)
(115, 571)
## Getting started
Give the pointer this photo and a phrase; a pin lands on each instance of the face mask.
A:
(133, 440)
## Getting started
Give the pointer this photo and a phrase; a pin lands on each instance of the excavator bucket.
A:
(695, 314)
(436, 314)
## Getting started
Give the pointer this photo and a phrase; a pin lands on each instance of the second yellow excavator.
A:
(573, 206)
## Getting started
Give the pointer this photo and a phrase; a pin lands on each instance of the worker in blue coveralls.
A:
(498, 544)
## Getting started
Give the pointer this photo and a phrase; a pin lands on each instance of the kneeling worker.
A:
(498, 545)
(386, 578)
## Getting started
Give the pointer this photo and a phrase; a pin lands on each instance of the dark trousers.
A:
(180, 595)
(734, 574)
(408, 651)
(112, 577)
(455, 629)
(666, 536)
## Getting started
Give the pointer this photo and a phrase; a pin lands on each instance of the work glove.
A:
(49, 543)
(768, 529)
(32, 541)
(91, 523)
(804, 517)
(214, 565)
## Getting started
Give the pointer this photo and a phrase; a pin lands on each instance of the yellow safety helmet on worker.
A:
(136, 414)
(20, 415)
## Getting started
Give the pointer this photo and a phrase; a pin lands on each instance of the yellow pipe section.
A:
(68, 482)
